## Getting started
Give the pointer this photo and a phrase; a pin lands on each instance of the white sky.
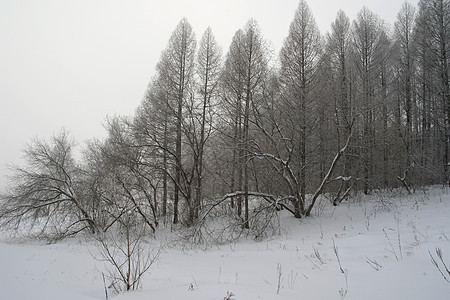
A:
(71, 63)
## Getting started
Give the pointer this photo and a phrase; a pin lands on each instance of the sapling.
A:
(373, 263)
(292, 277)
(398, 236)
(317, 254)
(128, 253)
(390, 244)
(279, 278)
(367, 218)
(104, 285)
(343, 291)
(337, 256)
(445, 272)
(316, 265)
(229, 296)
(193, 285)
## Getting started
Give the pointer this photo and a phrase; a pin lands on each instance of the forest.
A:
(240, 135)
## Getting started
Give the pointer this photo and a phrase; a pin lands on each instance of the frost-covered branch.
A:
(326, 179)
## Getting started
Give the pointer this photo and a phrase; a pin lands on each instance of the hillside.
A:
(383, 243)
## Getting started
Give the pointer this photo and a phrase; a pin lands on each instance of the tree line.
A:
(363, 108)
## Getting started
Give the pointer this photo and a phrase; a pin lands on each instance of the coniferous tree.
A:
(299, 59)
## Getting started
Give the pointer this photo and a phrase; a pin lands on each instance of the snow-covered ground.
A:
(384, 255)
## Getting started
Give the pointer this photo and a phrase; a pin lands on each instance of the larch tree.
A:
(299, 58)
(255, 73)
(405, 73)
(404, 38)
(177, 69)
(423, 88)
(339, 49)
(244, 75)
(367, 32)
(232, 94)
(434, 41)
(208, 67)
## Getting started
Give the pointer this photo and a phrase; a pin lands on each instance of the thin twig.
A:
(337, 256)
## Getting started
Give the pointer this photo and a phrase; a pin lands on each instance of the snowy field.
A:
(384, 255)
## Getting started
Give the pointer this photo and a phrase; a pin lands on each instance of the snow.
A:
(299, 264)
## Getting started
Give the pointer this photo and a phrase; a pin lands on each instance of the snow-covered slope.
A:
(384, 255)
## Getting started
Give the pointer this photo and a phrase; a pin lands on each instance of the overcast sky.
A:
(71, 63)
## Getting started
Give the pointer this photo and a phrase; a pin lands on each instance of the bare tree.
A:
(255, 74)
(176, 70)
(433, 39)
(367, 33)
(154, 132)
(339, 47)
(403, 34)
(404, 77)
(232, 93)
(245, 72)
(208, 71)
(299, 58)
(47, 193)
(128, 253)
(133, 177)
